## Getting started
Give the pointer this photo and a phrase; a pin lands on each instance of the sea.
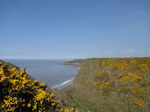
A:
(56, 75)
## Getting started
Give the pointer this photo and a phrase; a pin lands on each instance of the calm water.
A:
(48, 71)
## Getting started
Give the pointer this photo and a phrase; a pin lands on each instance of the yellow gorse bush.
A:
(137, 102)
(128, 75)
(19, 92)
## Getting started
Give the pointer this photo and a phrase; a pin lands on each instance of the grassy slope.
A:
(88, 99)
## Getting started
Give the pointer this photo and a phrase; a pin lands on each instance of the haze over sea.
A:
(48, 71)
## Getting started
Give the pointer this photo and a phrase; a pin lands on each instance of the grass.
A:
(87, 98)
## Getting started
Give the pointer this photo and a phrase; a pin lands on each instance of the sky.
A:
(71, 29)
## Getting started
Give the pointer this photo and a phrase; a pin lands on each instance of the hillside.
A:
(111, 85)
(102, 85)
(19, 92)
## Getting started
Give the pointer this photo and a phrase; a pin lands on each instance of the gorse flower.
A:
(129, 75)
(137, 102)
(18, 90)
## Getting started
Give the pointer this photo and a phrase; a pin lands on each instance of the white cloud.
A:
(131, 50)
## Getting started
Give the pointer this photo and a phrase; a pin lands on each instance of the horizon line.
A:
(67, 58)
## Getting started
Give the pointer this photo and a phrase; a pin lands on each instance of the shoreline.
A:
(63, 85)
(70, 81)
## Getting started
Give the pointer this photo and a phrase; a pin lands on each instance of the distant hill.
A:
(73, 62)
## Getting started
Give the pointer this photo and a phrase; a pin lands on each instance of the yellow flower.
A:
(34, 107)
(53, 104)
(137, 102)
(29, 105)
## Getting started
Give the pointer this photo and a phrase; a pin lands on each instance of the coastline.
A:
(67, 83)
(53, 73)
(68, 63)
(73, 62)
(63, 85)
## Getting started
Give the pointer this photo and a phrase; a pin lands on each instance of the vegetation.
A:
(130, 76)
(112, 85)
(98, 58)
(102, 85)
(21, 93)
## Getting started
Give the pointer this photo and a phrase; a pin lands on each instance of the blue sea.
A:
(48, 71)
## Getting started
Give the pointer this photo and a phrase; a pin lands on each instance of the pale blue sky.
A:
(58, 29)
